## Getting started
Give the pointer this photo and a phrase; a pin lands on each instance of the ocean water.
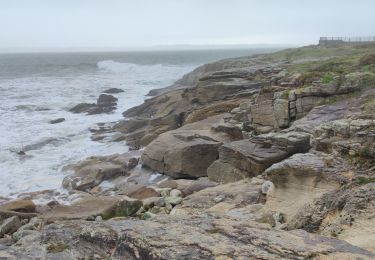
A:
(36, 88)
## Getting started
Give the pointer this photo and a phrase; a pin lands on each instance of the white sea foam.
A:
(27, 104)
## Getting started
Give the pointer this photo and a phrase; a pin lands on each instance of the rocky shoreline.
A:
(263, 157)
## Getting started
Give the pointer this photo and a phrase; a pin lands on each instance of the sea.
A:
(36, 88)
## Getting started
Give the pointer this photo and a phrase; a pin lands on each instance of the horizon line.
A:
(172, 47)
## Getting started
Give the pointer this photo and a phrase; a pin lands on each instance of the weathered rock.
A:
(181, 156)
(346, 214)
(153, 201)
(144, 193)
(105, 206)
(186, 152)
(248, 158)
(173, 200)
(25, 206)
(238, 194)
(10, 226)
(176, 193)
(231, 130)
(300, 179)
(224, 172)
(95, 170)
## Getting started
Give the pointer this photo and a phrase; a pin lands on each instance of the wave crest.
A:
(117, 67)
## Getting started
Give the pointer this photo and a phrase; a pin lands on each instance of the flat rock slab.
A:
(179, 237)
(89, 208)
(94, 170)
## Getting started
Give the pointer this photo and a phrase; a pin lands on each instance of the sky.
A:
(80, 24)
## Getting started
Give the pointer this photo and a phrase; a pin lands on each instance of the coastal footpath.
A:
(264, 157)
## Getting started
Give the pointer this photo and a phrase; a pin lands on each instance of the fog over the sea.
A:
(82, 24)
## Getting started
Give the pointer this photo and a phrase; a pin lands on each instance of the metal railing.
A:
(349, 39)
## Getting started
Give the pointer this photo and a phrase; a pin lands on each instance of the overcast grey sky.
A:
(143, 23)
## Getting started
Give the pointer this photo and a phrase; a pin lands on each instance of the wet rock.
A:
(84, 108)
(95, 170)
(113, 91)
(56, 121)
(107, 103)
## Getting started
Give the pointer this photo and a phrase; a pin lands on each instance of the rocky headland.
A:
(263, 157)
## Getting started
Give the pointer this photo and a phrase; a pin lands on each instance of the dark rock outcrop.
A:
(105, 104)
(113, 91)
(56, 121)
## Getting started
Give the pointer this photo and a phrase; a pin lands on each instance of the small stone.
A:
(235, 110)
(278, 217)
(154, 201)
(99, 218)
(148, 215)
(267, 186)
(352, 153)
(53, 203)
(219, 198)
(173, 200)
(176, 193)
(164, 192)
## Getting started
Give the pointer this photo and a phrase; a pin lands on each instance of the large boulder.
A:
(248, 158)
(187, 151)
(181, 155)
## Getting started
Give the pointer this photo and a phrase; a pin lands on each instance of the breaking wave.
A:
(117, 67)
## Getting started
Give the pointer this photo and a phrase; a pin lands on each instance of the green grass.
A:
(327, 79)
(364, 180)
